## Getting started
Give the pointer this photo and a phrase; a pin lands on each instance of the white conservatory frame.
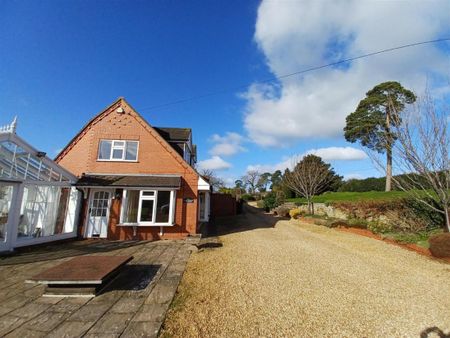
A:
(22, 166)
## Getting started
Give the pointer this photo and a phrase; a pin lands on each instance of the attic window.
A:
(118, 150)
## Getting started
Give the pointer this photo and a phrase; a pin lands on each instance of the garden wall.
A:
(385, 215)
(223, 205)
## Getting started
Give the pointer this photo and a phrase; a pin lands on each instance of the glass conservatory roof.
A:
(19, 161)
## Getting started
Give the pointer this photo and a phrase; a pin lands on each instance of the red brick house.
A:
(138, 181)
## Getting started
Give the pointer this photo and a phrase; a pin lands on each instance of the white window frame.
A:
(154, 198)
(115, 146)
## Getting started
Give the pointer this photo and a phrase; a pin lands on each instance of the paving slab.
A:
(23, 332)
(70, 329)
(89, 312)
(142, 329)
(127, 305)
(151, 313)
(8, 323)
(111, 323)
(46, 321)
(133, 305)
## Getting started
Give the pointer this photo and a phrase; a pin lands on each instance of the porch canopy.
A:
(131, 181)
(37, 200)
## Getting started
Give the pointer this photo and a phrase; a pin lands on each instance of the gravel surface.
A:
(304, 280)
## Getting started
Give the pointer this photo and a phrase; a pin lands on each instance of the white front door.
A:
(99, 205)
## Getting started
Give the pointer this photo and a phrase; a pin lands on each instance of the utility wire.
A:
(275, 78)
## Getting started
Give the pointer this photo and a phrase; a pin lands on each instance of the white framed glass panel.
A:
(131, 151)
(146, 211)
(148, 193)
(43, 211)
(163, 207)
(147, 207)
(6, 192)
(104, 151)
(118, 150)
(117, 154)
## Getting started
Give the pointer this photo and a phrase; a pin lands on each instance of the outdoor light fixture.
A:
(41, 154)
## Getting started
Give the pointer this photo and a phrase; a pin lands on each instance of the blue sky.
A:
(62, 63)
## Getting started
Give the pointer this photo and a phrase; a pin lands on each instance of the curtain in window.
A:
(5, 204)
(131, 208)
(131, 151)
(104, 152)
(39, 211)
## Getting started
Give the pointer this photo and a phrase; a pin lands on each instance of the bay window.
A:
(148, 207)
(117, 150)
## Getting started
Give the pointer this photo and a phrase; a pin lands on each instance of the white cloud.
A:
(338, 153)
(214, 163)
(327, 154)
(295, 35)
(227, 145)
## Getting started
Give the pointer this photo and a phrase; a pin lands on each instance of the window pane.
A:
(5, 204)
(119, 143)
(148, 193)
(117, 154)
(62, 210)
(39, 210)
(146, 211)
(163, 207)
(104, 151)
(131, 208)
(131, 153)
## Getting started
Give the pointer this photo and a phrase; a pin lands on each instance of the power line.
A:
(275, 78)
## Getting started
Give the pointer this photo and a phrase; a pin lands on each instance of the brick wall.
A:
(155, 156)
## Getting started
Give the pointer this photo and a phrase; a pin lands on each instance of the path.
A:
(309, 281)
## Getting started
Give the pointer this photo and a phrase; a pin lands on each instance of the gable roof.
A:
(174, 134)
(144, 123)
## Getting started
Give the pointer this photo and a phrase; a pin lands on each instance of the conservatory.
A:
(38, 202)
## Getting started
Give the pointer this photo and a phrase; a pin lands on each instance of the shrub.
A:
(282, 211)
(318, 221)
(379, 228)
(248, 197)
(367, 184)
(270, 201)
(260, 204)
(279, 198)
(296, 213)
(338, 223)
(357, 223)
(427, 215)
(440, 245)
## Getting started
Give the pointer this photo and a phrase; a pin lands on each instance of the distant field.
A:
(353, 196)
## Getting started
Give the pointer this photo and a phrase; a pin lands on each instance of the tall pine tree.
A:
(372, 121)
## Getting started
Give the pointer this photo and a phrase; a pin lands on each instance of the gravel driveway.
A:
(304, 280)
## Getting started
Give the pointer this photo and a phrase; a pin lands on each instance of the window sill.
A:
(132, 161)
(145, 225)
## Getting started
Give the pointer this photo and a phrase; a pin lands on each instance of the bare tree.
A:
(422, 156)
(310, 176)
(251, 179)
(210, 175)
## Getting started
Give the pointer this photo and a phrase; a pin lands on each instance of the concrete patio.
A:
(133, 305)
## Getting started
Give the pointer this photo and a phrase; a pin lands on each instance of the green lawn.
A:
(353, 196)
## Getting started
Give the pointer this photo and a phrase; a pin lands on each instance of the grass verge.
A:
(353, 196)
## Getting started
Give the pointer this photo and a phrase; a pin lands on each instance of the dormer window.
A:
(118, 150)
